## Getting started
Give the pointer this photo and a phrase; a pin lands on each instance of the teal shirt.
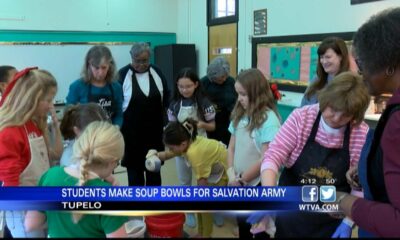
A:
(60, 223)
(265, 133)
(79, 92)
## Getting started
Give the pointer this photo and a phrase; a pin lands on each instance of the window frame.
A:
(221, 20)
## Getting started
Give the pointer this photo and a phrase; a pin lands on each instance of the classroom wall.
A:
(285, 17)
(192, 28)
(187, 18)
(89, 15)
(80, 21)
(294, 17)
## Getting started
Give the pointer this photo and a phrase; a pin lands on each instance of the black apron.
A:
(221, 97)
(375, 174)
(222, 120)
(106, 102)
(142, 127)
(318, 157)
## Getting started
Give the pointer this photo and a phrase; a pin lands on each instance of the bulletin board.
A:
(291, 61)
(63, 53)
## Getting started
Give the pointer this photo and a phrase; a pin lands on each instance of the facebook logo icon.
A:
(309, 193)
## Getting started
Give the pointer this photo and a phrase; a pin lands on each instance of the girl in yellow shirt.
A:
(207, 157)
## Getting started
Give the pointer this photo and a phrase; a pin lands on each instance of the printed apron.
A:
(106, 102)
(183, 166)
(316, 165)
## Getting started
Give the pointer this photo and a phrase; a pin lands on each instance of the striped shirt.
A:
(287, 145)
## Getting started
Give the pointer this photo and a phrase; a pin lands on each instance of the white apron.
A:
(246, 152)
(183, 166)
(38, 164)
(190, 112)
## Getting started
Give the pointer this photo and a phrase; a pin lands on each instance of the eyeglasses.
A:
(141, 61)
(181, 87)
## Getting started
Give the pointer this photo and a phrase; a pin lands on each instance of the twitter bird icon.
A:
(327, 193)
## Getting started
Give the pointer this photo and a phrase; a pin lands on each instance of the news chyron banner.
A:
(306, 198)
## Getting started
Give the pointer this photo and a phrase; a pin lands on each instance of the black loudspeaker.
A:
(172, 58)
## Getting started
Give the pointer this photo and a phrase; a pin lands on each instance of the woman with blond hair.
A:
(24, 144)
(98, 151)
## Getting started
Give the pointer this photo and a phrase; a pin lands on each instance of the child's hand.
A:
(53, 114)
(231, 174)
(200, 124)
(261, 222)
(151, 152)
(153, 163)
(234, 184)
(111, 179)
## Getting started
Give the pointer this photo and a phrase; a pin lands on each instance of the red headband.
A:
(10, 86)
(275, 91)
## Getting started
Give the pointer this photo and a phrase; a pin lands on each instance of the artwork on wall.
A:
(352, 2)
(291, 61)
(260, 22)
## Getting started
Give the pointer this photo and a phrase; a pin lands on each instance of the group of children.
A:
(255, 121)
(91, 155)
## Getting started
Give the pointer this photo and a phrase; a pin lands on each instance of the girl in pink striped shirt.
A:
(316, 146)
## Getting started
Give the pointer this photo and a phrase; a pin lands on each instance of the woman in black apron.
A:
(377, 47)
(145, 97)
(321, 153)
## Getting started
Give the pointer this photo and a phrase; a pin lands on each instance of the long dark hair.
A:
(175, 132)
(198, 94)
